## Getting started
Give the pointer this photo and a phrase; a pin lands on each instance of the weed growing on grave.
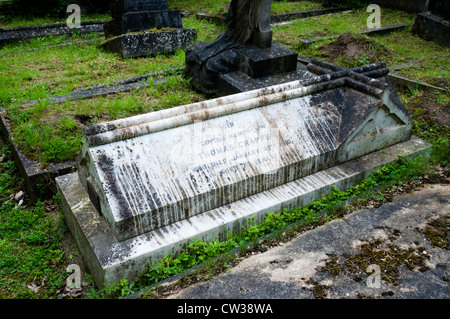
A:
(197, 252)
(53, 140)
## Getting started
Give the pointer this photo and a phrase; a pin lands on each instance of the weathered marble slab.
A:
(110, 260)
(153, 170)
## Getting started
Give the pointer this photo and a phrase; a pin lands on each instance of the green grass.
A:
(330, 25)
(408, 47)
(29, 252)
(34, 43)
(213, 7)
(209, 6)
(61, 70)
(52, 132)
(285, 6)
(53, 140)
(206, 31)
(31, 256)
(393, 48)
(430, 70)
(426, 126)
(14, 20)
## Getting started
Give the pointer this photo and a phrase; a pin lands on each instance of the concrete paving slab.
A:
(297, 270)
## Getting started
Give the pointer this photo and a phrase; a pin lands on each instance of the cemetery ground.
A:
(35, 245)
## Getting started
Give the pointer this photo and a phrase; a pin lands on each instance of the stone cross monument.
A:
(246, 46)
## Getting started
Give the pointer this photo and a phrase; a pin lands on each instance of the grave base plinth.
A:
(150, 43)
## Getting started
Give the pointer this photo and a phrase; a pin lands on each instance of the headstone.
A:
(146, 27)
(148, 185)
(245, 49)
(434, 25)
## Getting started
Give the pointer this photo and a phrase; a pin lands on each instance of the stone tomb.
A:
(146, 27)
(147, 185)
(434, 25)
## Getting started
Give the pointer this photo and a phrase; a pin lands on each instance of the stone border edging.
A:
(12, 34)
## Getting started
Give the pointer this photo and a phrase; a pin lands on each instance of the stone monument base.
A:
(260, 68)
(150, 43)
(238, 82)
(110, 260)
(256, 62)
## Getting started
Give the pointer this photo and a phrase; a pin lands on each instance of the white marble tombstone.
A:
(148, 184)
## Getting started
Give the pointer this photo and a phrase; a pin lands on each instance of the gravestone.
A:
(149, 184)
(145, 27)
(245, 52)
(434, 25)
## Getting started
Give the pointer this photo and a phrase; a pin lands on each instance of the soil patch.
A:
(354, 47)
(427, 108)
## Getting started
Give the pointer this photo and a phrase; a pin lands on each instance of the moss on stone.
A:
(437, 232)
